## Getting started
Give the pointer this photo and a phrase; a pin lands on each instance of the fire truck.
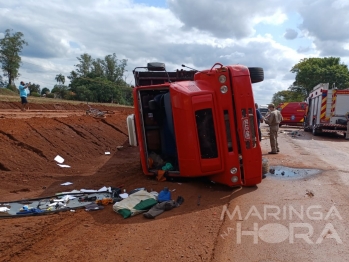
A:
(327, 108)
(292, 113)
(197, 123)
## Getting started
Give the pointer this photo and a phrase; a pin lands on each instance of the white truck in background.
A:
(263, 109)
(327, 108)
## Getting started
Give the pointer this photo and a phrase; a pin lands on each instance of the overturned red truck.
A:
(197, 123)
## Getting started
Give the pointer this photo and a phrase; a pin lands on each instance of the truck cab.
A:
(198, 123)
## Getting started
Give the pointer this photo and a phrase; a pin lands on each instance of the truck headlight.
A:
(234, 179)
(222, 79)
(224, 89)
(234, 170)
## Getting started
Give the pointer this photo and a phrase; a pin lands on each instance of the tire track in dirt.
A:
(84, 136)
(24, 145)
(3, 167)
(112, 126)
(79, 133)
(41, 135)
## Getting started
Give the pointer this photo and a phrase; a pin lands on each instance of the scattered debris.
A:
(124, 195)
(4, 209)
(295, 133)
(59, 159)
(309, 193)
(96, 113)
(119, 147)
(107, 153)
(272, 171)
(66, 184)
(63, 165)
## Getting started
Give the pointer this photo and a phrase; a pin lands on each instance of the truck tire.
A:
(315, 132)
(256, 74)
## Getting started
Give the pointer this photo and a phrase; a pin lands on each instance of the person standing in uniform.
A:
(273, 121)
(259, 121)
(23, 94)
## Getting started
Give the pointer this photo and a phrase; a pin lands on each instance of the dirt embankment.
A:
(29, 144)
(27, 169)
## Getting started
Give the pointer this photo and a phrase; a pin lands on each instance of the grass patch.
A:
(44, 100)
(7, 92)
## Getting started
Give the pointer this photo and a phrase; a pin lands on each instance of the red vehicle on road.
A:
(293, 113)
(197, 123)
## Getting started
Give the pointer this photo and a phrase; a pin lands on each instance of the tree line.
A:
(93, 80)
(96, 80)
(311, 71)
(101, 80)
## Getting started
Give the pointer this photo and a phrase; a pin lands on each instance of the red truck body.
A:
(293, 113)
(202, 123)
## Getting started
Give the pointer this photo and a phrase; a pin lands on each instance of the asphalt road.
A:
(298, 216)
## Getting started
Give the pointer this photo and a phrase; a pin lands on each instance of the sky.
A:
(271, 34)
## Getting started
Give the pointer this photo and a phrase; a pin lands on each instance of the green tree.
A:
(100, 80)
(286, 96)
(13, 88)
(45, 91)
(113, 69)
(312, 71)
(3, 83)
(10, 48)
(97, 68)
(85, 65)
(60, 79)
(33, 88)
(60, 90)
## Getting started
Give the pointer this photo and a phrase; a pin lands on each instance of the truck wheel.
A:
(256, 74)
(315, 132)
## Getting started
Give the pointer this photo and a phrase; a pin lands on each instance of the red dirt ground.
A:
(30, 140)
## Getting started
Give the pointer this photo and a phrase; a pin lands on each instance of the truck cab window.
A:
(206, 133)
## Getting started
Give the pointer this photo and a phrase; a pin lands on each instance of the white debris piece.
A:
(66, 184)
(63, 165)
(4, 209)
(59, 159)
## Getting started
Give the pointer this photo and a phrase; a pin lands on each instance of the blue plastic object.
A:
(164, 195)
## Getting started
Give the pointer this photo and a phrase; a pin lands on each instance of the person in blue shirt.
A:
(259, 121)
(23, 94)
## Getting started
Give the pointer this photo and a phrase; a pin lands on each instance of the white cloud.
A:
(197, 34)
